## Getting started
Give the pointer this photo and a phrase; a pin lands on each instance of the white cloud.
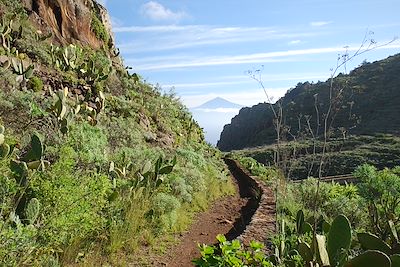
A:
(278, 56)
(320, 23)
(245, 98)
(245, 79)
(170, 37)
(205, 84)
(157, 12)
(294, 42)
(158, 28)
(218, 110)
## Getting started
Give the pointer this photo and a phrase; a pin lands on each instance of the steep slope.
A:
(94, 163)
(367, 105)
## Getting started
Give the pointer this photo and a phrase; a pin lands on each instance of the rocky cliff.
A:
(368, 104)
(72, 21)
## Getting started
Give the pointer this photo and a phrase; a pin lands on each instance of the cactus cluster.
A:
(149, 176)
(32, 160)
(94, 74)
(66, 58)
(119, 173)
(332, 247)
(153, 177)
(24, 73)
(8, 34)
(62, 111)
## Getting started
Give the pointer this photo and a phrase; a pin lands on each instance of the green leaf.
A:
(395, 260)
(370, 258)
(305, 251)
(207, 250)
(372, 242)
(166, 169)
(299, 221)
(221, 238)
(4, 150)
(33, 165)
(326, 227)
(146, 167)
(393, 230)
(36, 151)
(29, 72)
(307, 228)
(339, 239)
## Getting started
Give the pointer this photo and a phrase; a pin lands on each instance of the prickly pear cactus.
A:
(339, 240)
(370, 258)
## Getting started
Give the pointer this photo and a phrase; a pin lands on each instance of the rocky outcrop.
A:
(72, 21)
(366, 102)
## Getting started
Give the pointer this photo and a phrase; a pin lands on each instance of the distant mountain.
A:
(218, 103)
(369, 105)
(213, 115)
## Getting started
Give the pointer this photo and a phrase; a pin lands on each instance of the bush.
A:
(165, 208)
(35, 84)
(73, 201)
(381, 189)
(99, 30)
(231, 254)
(89, 142)
(333, 199)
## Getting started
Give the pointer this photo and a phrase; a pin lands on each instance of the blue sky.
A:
(203, 48)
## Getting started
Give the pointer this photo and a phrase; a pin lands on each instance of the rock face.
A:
(366, 103)
(73, 21)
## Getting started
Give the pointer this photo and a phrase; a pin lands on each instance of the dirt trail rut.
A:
(229, 216)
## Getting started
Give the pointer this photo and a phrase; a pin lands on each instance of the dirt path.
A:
(228, 216)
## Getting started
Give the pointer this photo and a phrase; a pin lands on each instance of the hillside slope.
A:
(369, 105)
(95, 164)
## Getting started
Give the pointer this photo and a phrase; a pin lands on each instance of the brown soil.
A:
(228, 216)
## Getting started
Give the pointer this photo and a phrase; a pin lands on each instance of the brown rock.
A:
(70, 20)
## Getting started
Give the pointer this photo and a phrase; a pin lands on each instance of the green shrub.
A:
(73, 201)
(89, 142)
(164, 203)
(333, 199)
(381, 189)
(99, 30)
(165, 208)
(35, 84)
(232, 254)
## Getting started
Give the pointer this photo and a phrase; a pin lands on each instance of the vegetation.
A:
(343, 155)
(350, 225)
(94, 162)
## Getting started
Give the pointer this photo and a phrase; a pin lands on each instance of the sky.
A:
(203, 49)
